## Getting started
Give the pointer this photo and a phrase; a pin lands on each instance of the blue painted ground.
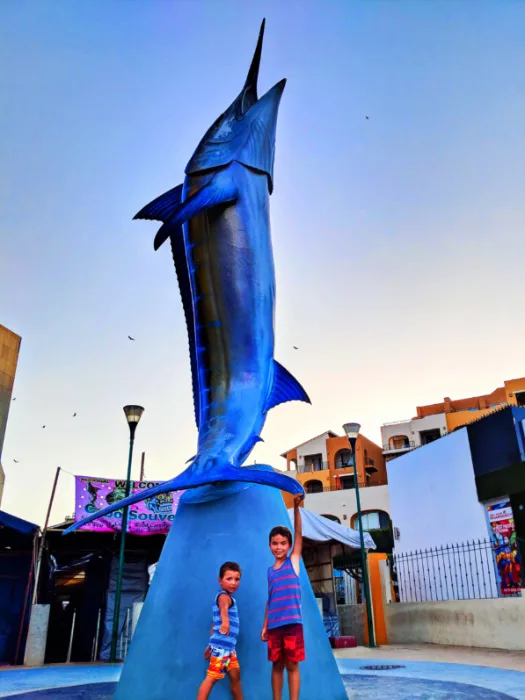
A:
(416, 681)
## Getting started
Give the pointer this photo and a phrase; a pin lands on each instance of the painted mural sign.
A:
(153, 516)
(506, 549)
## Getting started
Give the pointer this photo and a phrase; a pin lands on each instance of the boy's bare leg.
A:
(294, 680)
(277, 679)
(205, 689)
(235, 684)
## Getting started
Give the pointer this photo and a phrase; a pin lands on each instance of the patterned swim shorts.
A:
(286, 644)
(221, 663)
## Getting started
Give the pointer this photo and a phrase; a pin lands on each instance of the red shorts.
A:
(286, 644)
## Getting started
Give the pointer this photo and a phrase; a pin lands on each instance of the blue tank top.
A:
(284, 596)
(223, 641)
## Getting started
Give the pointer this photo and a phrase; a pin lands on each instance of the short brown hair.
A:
(229, 566)
(283, 531)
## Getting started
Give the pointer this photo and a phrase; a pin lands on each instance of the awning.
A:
(23, 527)
(317, 527)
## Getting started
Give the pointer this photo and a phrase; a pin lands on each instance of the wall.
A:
(313, 447)
(352, 622)
(493, 441)
(459, 418)
(433, 497)
(343, 503)
(497, 624)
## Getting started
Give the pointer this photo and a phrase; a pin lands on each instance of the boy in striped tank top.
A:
(283, 622)
(225, 629)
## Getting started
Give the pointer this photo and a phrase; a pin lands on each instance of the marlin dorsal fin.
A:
(285, 388)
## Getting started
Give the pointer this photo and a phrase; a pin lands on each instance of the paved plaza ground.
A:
(422, 672)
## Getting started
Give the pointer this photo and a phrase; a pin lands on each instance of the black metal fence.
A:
(455, 572)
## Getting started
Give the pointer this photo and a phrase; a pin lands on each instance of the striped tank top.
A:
(284, 596)
(222, 641)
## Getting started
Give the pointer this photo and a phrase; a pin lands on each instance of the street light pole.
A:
(133, 415)
(352, 431)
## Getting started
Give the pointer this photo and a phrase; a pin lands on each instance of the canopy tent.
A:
(18, 540)
(23, 527)
(321, 529)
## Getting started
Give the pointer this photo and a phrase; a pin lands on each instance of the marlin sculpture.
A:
(218, 223)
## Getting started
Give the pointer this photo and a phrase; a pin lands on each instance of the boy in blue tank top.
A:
(283, 621)
(225, 629)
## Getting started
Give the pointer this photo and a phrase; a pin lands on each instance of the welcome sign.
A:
(153, 516)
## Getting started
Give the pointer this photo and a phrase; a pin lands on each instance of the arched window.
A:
(343, 459)
(398, 442)
(372, 520)
(332, 517)
(293, 464)
(313, 486)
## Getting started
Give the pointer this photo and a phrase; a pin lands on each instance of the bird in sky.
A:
(43, 426)
(14, 399)
(74, 415)
(15, 460)
(367, 117)
(295, 347)
(131, 337)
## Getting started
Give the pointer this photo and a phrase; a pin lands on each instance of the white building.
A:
(400, 437)
(342, 505)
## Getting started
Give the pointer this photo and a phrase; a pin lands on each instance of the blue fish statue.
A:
(218, 224)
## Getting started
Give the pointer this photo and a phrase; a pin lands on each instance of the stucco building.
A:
(9, 349)
(435, 420)
(325, 466)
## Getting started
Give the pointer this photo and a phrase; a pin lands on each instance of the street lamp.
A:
(133, 415)
(352, 431)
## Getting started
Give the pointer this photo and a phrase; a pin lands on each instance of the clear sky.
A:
(399, 239)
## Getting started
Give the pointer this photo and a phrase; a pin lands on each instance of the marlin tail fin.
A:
(193, 478)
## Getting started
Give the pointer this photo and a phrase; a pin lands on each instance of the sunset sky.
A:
(398, 239)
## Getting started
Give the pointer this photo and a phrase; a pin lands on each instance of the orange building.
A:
(326, 463)
(437, 419)
(462, 411)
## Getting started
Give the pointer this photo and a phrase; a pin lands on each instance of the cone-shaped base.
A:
(166, 657)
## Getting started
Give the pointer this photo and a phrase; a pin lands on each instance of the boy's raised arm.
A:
(298, 534)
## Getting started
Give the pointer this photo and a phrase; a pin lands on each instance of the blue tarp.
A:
(24, 527)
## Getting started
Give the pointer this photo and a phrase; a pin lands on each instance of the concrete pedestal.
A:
(166, 656)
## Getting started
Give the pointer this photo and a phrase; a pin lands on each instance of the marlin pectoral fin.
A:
(162, 208)
(285, 388)
(221, 189)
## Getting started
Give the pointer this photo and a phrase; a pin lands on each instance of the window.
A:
(313, 486)
(313, 463)
(332, 517)
(427, 436)
(344, 459)
(347, 482)
(520, 398)
(375, 520)
(398, 442)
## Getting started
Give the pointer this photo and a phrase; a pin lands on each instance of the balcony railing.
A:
(408, 445)
(362, 485)
(312, 468)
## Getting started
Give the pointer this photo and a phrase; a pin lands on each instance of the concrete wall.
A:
(433, 497)
(497, 624)
(343, 505)
(352, 622)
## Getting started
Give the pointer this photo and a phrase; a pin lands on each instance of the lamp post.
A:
(352, 431)
(133, 415)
